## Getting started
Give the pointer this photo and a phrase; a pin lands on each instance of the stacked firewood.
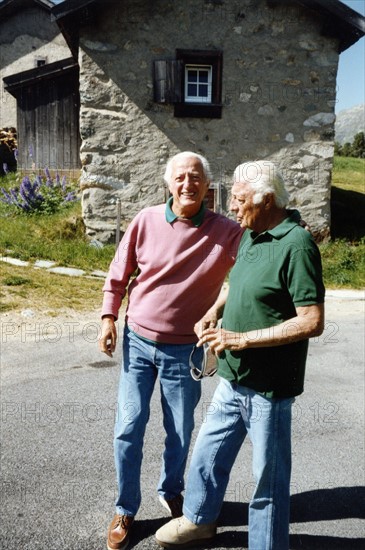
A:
(8, 150)
(8, 137)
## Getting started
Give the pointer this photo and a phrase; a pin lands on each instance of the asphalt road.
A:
(58, 401)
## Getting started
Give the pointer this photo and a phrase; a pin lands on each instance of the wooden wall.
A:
(48, 123)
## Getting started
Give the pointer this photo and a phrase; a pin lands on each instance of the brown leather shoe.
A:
(118, 532)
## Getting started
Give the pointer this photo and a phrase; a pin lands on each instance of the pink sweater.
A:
(180, 272)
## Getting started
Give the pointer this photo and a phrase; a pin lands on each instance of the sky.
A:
(351, 69)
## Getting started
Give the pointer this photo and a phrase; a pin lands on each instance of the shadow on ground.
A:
(313, 506)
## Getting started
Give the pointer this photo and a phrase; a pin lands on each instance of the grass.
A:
(349, 174)
(47, 293)
(344, 257)
(60, 238)
(343, 264)
(348, 199)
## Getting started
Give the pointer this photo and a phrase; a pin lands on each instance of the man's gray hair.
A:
(264, 178)
(205, 165)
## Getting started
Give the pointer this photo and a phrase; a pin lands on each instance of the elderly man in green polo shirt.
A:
(275, 303)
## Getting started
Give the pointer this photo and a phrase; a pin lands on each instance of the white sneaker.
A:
(182, 533)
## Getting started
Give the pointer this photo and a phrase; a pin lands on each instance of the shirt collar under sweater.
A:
(170, 216)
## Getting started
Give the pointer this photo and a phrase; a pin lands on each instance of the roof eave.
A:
(339, 20)
(7, 7)
(14, 82)
(69, 7)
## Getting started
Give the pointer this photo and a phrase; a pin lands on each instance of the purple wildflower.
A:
(70, 197)
(29, 197)
(49, 181)
(14, 193)
(5, 168)
(11, 197)
(7, 196)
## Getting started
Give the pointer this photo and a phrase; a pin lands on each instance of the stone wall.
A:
(26, 37)
(279, 85)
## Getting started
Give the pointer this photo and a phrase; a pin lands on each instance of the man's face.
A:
(248, 214)
(188, 186)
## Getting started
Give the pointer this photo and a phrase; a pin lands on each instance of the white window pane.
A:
(198, 83)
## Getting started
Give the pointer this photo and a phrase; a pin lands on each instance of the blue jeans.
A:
(143, 362)
(236, 411)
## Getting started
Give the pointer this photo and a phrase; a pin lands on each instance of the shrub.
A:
(43, 195)
(354, 149)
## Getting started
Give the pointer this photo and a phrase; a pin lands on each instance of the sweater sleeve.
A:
(122, 267)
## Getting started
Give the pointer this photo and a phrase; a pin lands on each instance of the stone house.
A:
(234, 80)
(38, 85)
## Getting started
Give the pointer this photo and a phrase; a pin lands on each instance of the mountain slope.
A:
(349, 122)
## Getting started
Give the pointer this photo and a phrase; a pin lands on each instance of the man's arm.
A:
(212, 316)
(308, 323)
(121, 269)
(108, 337)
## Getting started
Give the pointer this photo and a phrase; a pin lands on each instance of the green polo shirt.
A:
(275, 272)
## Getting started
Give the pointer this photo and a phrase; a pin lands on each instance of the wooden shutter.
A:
(167, 81)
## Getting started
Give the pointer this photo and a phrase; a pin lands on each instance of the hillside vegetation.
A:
(60, 237)
(348, 123)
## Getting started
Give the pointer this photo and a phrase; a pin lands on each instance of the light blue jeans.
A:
(143, 362)
(236, 411)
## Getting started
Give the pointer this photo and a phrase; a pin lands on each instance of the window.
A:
(201, 84)
(198, 83)
(192, 82)
(40, 61)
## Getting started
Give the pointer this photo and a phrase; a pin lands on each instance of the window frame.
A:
(197, 98)
(201, 109)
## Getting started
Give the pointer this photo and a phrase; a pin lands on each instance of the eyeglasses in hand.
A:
(199, 370)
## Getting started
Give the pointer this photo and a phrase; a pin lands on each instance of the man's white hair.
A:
(264, 178)
(205, 165)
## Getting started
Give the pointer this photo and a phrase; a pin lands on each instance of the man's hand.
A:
(308, 323)
(108, 338)
(212, 316)
(220, 339)
(209, 320)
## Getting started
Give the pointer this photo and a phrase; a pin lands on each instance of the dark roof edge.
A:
(46, 3)
(338, 9)
(6, 5)
(50, 70)
(68, 7)
(349, 25)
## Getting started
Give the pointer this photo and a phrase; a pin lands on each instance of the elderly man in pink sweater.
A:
(180, 253)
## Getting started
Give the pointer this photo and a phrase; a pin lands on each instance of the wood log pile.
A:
(8, 150)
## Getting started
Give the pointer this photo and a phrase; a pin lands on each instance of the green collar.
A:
(283, 228)
(170, 216)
